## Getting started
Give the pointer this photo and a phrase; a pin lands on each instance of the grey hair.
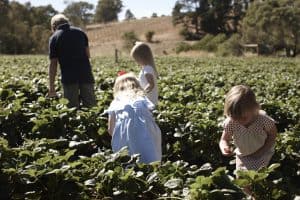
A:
(57, 20)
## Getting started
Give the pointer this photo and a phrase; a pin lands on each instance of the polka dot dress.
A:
(248, 140)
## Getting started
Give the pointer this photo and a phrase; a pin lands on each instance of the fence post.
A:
(116, 55)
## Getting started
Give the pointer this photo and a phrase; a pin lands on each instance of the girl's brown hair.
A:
(238, 100)
(142, 53)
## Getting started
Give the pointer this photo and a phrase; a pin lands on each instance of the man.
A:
(69, 47)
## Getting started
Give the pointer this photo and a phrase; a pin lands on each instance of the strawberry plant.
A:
(49, 151)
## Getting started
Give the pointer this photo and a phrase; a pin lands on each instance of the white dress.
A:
(153, 95)
(135, 128)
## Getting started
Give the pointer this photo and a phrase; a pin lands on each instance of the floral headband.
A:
(122, 72)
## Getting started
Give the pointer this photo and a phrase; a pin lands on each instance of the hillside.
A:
(104, 38)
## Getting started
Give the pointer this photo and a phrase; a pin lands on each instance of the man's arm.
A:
(87, 49)
(52, 75)
(111, 123)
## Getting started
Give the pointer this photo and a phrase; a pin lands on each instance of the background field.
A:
(48, 151)
(104, 38)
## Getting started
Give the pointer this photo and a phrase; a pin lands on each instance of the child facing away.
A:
(253, 132)
(142, 54)
(131, 122)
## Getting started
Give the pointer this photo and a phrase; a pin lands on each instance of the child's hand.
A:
(226, 150)
(225, 143)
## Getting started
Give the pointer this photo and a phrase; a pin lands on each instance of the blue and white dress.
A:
(135, 128)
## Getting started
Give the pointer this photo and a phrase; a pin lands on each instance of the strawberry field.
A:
(48, 151)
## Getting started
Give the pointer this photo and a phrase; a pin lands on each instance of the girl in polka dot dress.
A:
(252, 131)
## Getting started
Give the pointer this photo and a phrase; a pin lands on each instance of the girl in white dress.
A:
(148, 76)
(131, 122)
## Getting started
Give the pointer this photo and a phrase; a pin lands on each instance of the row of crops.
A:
(48, 151)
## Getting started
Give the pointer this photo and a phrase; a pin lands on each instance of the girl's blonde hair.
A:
(142, 53)
(128, 85)
(238, 100)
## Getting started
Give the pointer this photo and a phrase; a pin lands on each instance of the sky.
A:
(140, 8)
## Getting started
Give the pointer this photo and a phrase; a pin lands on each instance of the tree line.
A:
(272, 24)
(25, 29)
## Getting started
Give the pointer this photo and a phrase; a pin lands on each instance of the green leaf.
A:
(90, 182)
(173, 183)
(69, 154)
(273, 166)
(10, 171)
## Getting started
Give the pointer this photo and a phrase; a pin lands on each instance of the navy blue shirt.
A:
(68, 44)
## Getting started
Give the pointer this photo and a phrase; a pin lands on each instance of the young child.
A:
(131, 122)
(142, 54)
(252, 131)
